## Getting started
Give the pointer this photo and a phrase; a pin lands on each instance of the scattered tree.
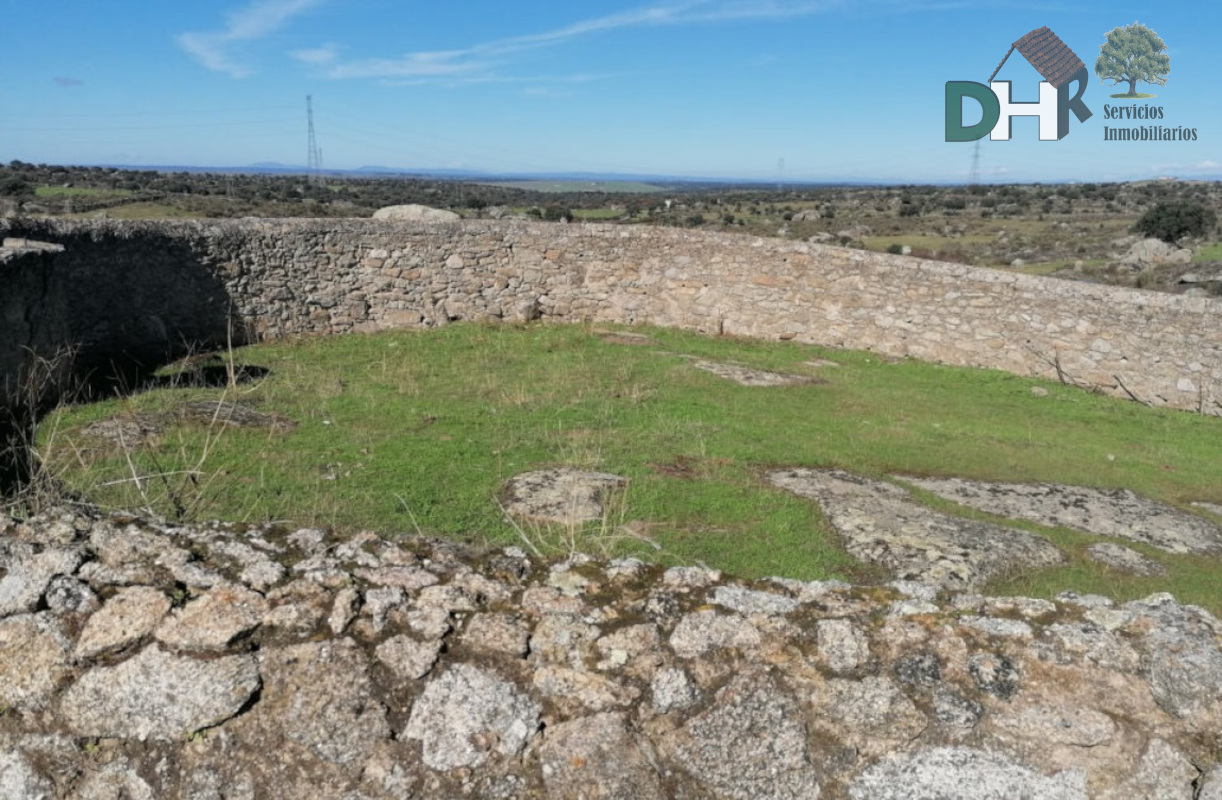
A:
(1131, 54)
(1174, 220)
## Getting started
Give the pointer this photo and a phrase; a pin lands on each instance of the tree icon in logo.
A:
(1131, 54)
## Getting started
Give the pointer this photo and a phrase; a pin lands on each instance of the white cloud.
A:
(255, 21)
(321, 55)
(481, 56)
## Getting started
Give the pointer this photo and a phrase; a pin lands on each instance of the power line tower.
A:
(314, 156)
(976, 163)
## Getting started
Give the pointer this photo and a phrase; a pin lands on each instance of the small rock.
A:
(319, 695)
(750, 744)
(998, 626)
(587, 689)
(500, 632)
(158, 695)
(33, 660)
(1124, 559)
(597, 758)
(343, 610)
(467, 713)
(29, 573)
(748, 601)
(213, 620)
(431, 623)
(841, 644)
(673, 690)
(1164, 773)
(919, 669)
(20, 780)
(961, 773)
(690, 577)
(699, 632)
(951, 708)
(1081, 727)
(408, 658)
(995, 674)
(67, 595)
(124, 619)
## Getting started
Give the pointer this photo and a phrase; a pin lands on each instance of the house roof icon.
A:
(1051, 57)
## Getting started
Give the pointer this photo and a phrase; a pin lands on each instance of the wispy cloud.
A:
(480, 57)
(67, 82)
(322, 55)
(255, 21)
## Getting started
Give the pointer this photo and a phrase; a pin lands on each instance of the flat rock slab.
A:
(1125, 559)
(750, 744)
(139, 430)
(625, 337)
(158, 695)
(881, 524)
(237, 415)
(748, 376)
(1212, 508)
(468, 712)
(127, 430)
(413, 212)
(563, 495)
(1115, 513)
(962, 773)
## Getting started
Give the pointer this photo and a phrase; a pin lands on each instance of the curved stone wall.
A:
(143, 659)
(145, 289)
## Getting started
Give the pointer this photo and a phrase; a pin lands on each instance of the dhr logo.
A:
(1059, 66)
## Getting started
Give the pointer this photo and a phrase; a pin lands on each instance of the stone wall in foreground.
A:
(143, 660)
(147, 288)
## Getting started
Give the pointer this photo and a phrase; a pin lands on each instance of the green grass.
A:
(598, 213)
(150, 210)
(1049, 267)
(1209, 252)
(405, 431)
(79, 191)
(919, 241)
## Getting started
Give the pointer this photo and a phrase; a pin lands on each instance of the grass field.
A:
(54, 192)
(631, 187)
(149, 210)
(418, 431)
(1208, 252)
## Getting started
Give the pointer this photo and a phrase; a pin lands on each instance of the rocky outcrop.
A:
(144, 659)
(1146, 252)
(415, 213)
(881, 523)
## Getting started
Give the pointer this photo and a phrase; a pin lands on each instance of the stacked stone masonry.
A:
(140, 659)
(146, 288)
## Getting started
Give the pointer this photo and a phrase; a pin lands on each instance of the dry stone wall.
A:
(140, 659)
(144, 659)
(146, 288)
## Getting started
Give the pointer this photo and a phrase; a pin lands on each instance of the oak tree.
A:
(1131, 54)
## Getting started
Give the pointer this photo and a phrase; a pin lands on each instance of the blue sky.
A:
(759, 89)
